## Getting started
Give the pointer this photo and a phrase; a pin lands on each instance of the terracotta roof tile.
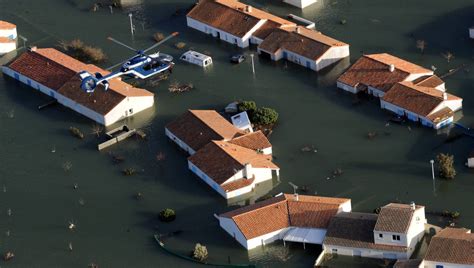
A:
(221, 160)
(452, 245)
(307, 43)
(197, 128)
(284, 211)
(441, 115)
(255, 141)
(428, 81)
(374, 70)
(57, 71)
(222, 17)
(257, 13)
(395, 218)
(5, 25)
(417, 99)
(266, 29)
(237, 184)
(355, 230)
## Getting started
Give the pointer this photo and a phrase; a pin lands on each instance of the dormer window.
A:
(395, 237)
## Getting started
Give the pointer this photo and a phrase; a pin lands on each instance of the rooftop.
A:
(254, 140)
(220, 160)
(308, 43)
(5, 25)
(197, 128)
(417, 99)
(285, 211)
(374, 70)
(353, 229)
(395, 218)
(452, 245)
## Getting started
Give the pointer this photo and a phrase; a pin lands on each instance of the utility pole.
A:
(433, 175)
(24, 40)
(132, 28)
(253, 65)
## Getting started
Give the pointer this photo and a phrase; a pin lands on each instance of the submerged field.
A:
(41, 162)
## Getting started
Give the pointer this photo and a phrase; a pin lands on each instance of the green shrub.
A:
(446, 166)
(247, 106)
(167, 215)
(265, 116)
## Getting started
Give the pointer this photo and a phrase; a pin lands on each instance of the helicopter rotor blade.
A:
(113, 66)
(162, 41)
(122, 44)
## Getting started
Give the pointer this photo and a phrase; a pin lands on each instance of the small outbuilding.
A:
(242, 122)
(8, 36)
(196, 58)
(300, 3)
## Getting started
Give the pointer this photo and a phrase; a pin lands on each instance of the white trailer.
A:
(196, 58)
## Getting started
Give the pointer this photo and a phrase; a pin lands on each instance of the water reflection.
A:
(260, 190)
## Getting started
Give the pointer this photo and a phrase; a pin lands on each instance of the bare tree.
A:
(421, 45)
(448, 56)
(97, 130)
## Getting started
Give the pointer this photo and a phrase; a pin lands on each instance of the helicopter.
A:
(140, 66)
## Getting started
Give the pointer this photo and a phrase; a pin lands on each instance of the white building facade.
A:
(300, 3)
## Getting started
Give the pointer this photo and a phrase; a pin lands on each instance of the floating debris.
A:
(371, 135)
(409, 128)
(337, 172)
(7, 233)
(117, 158)
(176, 87)
(53, 150)
(11, 114)
(4, 188)
(82, 202)
(76, 132)
(67, 166)
(72, 226)
(75, 186)
(70, 246)
(8, 256)
(309, 149)
(129, 171)
(97, 130)
(138, 196)
(9, 212)
(160, 157)
(93, 265)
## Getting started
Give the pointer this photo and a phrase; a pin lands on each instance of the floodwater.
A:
(40, 162)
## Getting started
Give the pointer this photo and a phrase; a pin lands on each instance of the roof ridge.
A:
(253, 210)
(205, 123)
(232, 144)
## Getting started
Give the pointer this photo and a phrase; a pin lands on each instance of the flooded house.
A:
(56, 75)
(404, 88)
(277, 38)
(226, 158)
(450, 247)
(291, 218)
(392, 234)
(8, 37)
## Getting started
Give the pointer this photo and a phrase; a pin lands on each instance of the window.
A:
(130, 111)
(334, 250)
(396, 237)
(380, 235)
(439, 266)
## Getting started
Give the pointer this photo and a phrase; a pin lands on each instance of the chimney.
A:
(445, 96)
(248, 9)
(248, 171)
(33, 48)
(391, 68)
(296, 197)
(412, 205)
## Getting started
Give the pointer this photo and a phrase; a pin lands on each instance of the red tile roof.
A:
(255, 141)
(221, 160)
(57, 71)
(197, 128)
(237, 184)
(284, 211)
(355, 230)
(374, 70)
(428, 81)
(307, 43)
(5, 25)
(452, 245)
(395, 218)
(416, 99)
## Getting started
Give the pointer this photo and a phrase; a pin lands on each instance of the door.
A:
(308, 64)
(357, 253)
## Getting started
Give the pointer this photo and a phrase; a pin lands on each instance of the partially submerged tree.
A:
(421, 45)
(448, 56)
(446, 166)
(77, 49)
(200, 252)
(167, 215)
(265, 116)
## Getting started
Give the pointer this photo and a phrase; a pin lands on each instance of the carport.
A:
(305, 236)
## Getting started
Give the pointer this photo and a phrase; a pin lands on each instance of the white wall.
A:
(180, 143)
(432, 264)
(7, 47)
(300, 3)
(470, 162)
(345, 207)
(128, 107)
(333, 55)
(239, 41)
(471, 33)
(266, 238)
(206, 179)
(267, 151)
(9, 33)
(412, 77)
(231, 228)
(368, 253)
(347, 87)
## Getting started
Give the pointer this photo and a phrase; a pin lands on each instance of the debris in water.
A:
(176, 87)
(53, 150)
(138, 196)
(71, 226)
(67, 166)
(371, 135)
(70, 246)
(7, 233)
(76, 132)
(4, 188)
(337, 172)
(76, 186)
(81, 202)
(11, 114)
(387, 124)
(9, 212)
(309, 148)
(93, 265)
(8, 256)
(409, 128)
